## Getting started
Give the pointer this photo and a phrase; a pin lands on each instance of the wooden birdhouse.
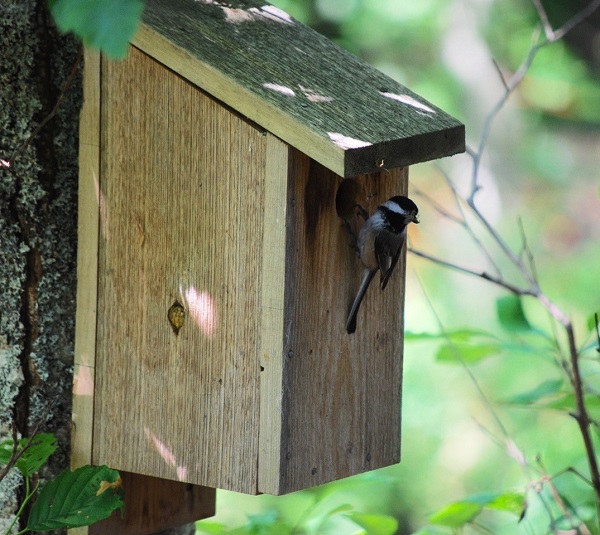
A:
(215, 275)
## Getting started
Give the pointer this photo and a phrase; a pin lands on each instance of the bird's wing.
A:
(388, 264)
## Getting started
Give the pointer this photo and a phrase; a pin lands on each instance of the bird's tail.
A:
(366, 280)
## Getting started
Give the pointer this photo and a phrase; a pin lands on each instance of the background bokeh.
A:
(541, 168)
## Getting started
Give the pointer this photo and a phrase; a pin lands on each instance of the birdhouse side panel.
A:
(341, 392)
(177, 373)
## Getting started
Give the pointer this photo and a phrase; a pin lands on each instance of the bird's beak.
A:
(415, 218)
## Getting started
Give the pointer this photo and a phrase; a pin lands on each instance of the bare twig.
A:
(548, 31)
(550, 36)
(16, 453)
(575, 20)
(459, 201)
(480, 274)
(506, 442)
(473, 379)
(439, 208)
(510, 85)
(500, 74)
(524, 260)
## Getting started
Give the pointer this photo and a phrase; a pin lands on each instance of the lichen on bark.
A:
(38, 230)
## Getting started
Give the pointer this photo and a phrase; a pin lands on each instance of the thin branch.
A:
(575, 20)
(581, 416)
(548, 31)
(472, 377)
(597, 331)
(500, 74)
(459, 203)
(480, 274)
(508, 252)
(550, 36)
(438, 207)
(527, 250)
(16, 454)
(486, 129)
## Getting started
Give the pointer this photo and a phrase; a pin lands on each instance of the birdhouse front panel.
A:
(181, 185)
(341, 393)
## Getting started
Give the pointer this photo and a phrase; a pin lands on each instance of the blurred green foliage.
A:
(105, 25)
(486, 403)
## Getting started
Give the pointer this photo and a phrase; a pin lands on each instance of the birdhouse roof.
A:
(297, 84)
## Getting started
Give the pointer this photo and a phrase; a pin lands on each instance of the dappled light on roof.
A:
(313, 96)
(346, 142)
(280, 89)
(238, 15)
(405, 99)
(272, 13)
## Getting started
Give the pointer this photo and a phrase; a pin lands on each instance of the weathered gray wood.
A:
(179, 224)
(341, 394)
(297, 84)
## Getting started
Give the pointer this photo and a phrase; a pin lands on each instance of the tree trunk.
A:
(38, 234)
(38, 231)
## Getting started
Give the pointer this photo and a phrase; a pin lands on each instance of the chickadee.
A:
(379, 245)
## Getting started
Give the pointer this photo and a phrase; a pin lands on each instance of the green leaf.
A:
(459, 513)
(35, 456)
(547, 388)
(79, 498)
(466, 345)
(567, 403)
(456, 514)
(467, 353)
(374, 524)
(591, 322)
(509, 502)
(210, 528)
(511, 315)
(460, 335)
(107, 25)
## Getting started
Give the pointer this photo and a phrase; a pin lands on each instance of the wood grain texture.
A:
(87, 269)
(87, 264)
(272, 314)
(297, 84)
(341, 393)
(182, 177)
(154, 504)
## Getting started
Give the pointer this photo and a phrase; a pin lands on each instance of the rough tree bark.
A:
(38, 232)
(38, 224)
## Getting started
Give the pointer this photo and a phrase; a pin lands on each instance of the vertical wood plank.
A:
(87, 268)
(341, 393)
(87, 263)
(272, 307)
(182, 177)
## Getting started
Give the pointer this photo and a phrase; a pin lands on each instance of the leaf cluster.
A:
(75, 498)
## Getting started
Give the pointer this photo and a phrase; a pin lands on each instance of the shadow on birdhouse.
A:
(215, 273)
